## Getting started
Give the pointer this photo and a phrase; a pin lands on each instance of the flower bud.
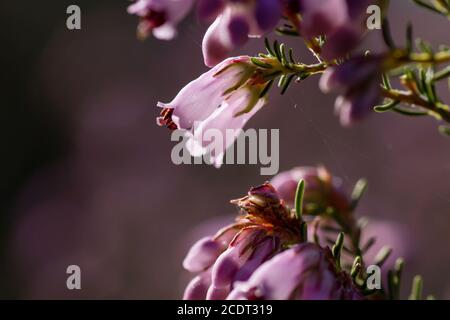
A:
(322, 189)
(159, 17)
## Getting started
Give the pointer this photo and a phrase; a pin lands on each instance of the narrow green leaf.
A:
(287, 83)
(268, 48)
(387, 36)
(337, 248)
(416, 290)
(406, 112)
(358, 191)
(382, 256)
(273, 75)
(430, 88)
(276, 49)
(287, 32)
(282, 81)
(444, 73)
(399, 265)
(398, 269)
(425, 5)
(386, 81)
(304, 231)
(291, 55)
(424, 46)
(392, 283)
(260, 63)
(299, 194)
(284, 61)
(409, 38)
(386, 107)
(368, 244)
(266, 89)
(356, 267)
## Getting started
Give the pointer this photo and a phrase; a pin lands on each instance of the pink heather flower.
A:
(236, 251)
(321, 17)
(304, 272)
(358, 83)
(225, 97)
(235, 22)
(341, 21)
(321, 188)
(232, 261)
(159, 17)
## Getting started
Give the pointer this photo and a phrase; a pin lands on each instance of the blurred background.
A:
(86, 175)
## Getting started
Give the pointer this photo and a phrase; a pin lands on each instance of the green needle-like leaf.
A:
(337, 248)
(416, 291)
(356, 267)
(406, 112)
(260, 63)
(358, 192)
(382, 256)
(386, 107)
(299, 199)
(268, 47)
(387, 36)
(409, 38)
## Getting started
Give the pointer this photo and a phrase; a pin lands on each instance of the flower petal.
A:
(198, 287)
(202, 254)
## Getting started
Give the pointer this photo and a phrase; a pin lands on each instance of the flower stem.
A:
(441, 111)
(402, 57)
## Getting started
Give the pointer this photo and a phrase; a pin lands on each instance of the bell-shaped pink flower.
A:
(235, 22)
(159, 17)
(224, 98)
(358, 82)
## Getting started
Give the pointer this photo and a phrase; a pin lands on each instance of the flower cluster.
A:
(267, 253)
(235, 252)
(332, 30)
(292, 241)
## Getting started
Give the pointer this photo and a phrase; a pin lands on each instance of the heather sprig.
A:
(332, 30)
(302, 217)
(418, 72)
(249, 259)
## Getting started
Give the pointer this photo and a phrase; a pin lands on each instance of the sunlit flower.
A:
(159, 17)
(235, 252)
(225, 97)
